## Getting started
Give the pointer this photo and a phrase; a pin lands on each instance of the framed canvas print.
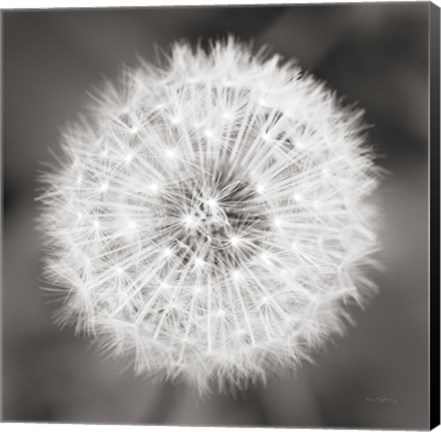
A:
(222, 215)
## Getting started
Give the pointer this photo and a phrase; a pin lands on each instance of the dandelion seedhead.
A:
(210, 218)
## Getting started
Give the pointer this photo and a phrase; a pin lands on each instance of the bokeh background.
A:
(376, 55)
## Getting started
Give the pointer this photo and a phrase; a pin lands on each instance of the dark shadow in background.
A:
(376, 55)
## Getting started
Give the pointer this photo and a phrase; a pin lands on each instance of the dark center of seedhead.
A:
(218, 220)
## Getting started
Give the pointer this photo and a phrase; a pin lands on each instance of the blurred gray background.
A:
(376, 55)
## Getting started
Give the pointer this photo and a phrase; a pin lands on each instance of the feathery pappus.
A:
(211, 217)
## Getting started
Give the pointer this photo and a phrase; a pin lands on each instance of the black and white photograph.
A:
(221, 215)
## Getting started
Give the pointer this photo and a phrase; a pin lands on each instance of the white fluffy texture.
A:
(209, 219)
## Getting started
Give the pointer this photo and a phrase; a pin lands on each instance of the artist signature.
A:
(380, 399)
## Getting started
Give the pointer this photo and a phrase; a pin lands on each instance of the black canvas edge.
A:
(434, 233)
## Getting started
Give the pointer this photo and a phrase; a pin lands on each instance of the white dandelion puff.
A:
(211, 218)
